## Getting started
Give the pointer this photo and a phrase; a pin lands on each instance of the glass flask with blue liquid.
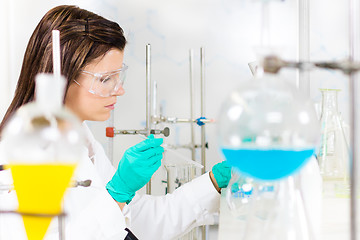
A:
(268, 130)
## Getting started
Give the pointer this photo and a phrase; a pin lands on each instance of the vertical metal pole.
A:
(191, 77)
(303, 78)
(354, 41)
(202, 86)
(148, 101)
(192, 129)
(61, 224)
(154, 100)
(353, 159)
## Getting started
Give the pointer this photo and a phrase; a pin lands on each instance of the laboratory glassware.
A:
(241, 191)
(333, 153)
(250, 202)
(43, 143)
(278, 214)
(178, 175)
(268, 130)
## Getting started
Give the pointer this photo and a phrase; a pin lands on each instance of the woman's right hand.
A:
(135, 169)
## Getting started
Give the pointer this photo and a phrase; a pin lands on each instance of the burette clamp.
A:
(111, 132)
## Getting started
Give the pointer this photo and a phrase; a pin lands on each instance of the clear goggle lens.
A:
(105, 84)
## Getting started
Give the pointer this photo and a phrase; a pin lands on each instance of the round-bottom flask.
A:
(268, 131)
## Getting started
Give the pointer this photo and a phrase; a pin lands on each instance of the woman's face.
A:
(88, 106)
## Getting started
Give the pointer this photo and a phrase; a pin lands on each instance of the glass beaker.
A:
(333, 154)
(43, 144)
(178, 175)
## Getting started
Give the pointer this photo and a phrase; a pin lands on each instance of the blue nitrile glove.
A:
(222, 174)
(135, 169)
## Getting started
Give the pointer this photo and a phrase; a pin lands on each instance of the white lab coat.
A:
(92, 214)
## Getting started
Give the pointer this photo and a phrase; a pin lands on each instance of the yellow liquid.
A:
(40, 189)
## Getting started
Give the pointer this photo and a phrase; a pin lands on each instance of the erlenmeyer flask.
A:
(43, 143)
(333, 153)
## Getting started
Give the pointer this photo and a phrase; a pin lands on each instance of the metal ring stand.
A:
(61, 218)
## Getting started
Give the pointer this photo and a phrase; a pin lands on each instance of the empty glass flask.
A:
(333, 153)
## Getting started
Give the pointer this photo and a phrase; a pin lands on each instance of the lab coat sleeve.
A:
(170, 216)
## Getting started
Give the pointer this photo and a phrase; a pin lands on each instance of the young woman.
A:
(92, 51)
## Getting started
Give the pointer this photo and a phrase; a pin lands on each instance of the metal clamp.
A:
(111, 132)
(273, 64)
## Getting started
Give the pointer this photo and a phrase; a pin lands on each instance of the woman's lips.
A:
(112, 106)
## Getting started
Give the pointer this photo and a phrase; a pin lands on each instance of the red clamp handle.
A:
(110, 131)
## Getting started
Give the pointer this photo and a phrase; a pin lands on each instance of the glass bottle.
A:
(43, 143)
(333, 153)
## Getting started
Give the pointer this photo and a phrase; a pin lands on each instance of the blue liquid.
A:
(271, 164)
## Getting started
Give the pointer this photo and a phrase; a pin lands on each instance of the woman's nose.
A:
(119, 92)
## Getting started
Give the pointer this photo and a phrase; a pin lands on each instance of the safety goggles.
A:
(104, 84)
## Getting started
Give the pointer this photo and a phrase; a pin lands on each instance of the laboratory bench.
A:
(335, 220)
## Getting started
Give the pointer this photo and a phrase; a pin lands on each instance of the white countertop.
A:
(335, 220)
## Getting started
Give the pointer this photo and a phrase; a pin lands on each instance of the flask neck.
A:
(329, 100)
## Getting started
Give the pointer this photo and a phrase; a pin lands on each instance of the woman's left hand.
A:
(220, 175)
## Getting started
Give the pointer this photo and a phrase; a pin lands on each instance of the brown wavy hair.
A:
(84, 36)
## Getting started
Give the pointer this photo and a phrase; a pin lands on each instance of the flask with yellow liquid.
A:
(42, 145)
